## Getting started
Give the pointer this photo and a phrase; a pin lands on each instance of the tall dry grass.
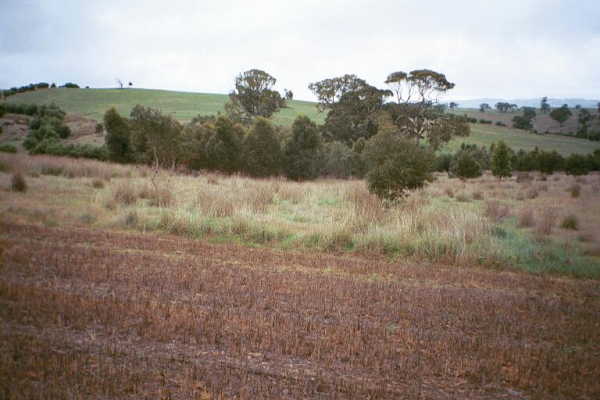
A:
(440, 223)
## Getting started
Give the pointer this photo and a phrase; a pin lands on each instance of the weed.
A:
(98, 184)
(546, 222)
(462, 197)
(18, 183)
(495, 210)
(124, 193)
(131, 219)
(570, 222)
(575, 190)
(526, 219)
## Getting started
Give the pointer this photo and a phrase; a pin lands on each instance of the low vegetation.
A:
(479, 225)
(417, 298)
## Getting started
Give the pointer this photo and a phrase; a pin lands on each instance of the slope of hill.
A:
(519, 139)
(184, 106)
(542, 123)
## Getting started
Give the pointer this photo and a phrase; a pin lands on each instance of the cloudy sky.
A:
(506, 49)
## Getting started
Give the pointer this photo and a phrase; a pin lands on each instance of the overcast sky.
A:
(507, 49)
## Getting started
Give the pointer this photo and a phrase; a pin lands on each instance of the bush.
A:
(303, 150)
(224, 147)
(8, 148)
(396, 165)
(577, 164)
(155, 137)
(501, 167)
(570, 222)
(443, 162)
(18, 183)
(70, 85)
(118, 141)
(337, 160)
(261, 150)
(465, 166)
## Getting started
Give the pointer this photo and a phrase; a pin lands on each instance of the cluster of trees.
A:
(391, 143)
(471, 160)
(524, 121)
(504, 107)
(34, 86)
(46, 127)
(46, 131)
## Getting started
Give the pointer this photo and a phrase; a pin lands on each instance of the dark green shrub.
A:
(155, 137)
(337, 160)
(262, 154)
(501, 167)
(118, 141)
(549, 162)
(464, 166)
(396, 165)
(302, 150)
(443, 162)
(18, 183)
(224, 147)
(577, 164)
(70, 85)
(8, 148)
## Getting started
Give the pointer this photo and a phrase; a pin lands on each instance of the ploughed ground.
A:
(107, 314)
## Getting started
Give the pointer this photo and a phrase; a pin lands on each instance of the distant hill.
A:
(474, 103)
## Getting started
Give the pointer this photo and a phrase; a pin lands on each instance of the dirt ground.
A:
(108, 314)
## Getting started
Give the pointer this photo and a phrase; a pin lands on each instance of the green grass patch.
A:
(540, 256)
(520, 139)
(184, 106)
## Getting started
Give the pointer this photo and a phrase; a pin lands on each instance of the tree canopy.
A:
(253, 96)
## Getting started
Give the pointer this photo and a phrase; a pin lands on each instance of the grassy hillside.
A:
(519, 139)
(542, 122)
(92, 103)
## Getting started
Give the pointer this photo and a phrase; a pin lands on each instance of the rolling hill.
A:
(92, 103)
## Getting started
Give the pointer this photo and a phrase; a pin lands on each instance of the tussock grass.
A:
(18, 183)
(324, 215)
(570, 222)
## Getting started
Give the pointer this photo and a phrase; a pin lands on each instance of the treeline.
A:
(217, 143)
(35, 86)
(470, 161)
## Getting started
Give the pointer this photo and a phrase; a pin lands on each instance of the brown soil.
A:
(102, 314)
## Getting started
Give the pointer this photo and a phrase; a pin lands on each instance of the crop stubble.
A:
(109, 314)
